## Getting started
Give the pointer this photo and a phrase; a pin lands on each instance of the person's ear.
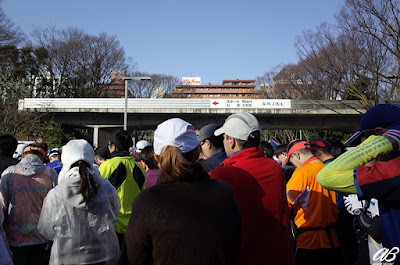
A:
(232, 142)
(380, 130)
(296, 156)
(208, 144)
(317, 153)
(157, 158)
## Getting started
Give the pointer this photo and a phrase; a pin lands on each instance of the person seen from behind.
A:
(125, 174)
(313, 206)
(135, 152)
(281, 157)
(54, 158)
(267, 148)
(23, 188)
(19, 151)
(344, 226)
(150, 165)
(321, 149)
(5, 252)
(101, 155)
(187, 218)
(372, 168)
(337, 147)
(258, 184)
(78, 215)
(8, 145)
(212, 147)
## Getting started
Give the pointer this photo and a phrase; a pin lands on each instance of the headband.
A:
(296, 147)
(317, 144)
(33, 148)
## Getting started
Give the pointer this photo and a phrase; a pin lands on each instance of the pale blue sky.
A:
(215, 40)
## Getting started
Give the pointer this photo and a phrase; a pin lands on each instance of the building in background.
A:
(229, 89)
(116, 87)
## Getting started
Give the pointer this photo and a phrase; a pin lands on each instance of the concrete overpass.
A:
(146, 114)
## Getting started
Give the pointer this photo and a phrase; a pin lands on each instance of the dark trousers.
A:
(31, 255)
(347, 238)
(325, 256)
(121, 239)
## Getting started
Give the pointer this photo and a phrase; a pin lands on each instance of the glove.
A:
(352, 203)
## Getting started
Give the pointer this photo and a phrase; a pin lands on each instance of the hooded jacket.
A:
(82, 233)
(23, 188)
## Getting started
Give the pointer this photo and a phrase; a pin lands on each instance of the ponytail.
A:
(88, 185)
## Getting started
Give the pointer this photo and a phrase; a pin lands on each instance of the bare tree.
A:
(339, 59)
(379, 21)
(159, 84)
(267, 85)
(357, 58)
(10, 34)
(79, 62)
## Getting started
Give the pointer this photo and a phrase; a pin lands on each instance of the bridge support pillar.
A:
(96, 137)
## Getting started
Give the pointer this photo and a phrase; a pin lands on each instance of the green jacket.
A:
(129, 178)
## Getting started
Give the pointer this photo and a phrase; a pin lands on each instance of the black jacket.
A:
(191, 221)
(6, 162)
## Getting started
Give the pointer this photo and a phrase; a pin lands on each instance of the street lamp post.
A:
(127, 78)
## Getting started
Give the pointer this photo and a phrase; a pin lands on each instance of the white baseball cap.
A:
(140, 145)
(54, 151)
(239, 126)
(175, 132)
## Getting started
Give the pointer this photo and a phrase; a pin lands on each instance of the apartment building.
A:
(229, 89)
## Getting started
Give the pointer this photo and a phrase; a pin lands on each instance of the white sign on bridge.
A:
(251, 103)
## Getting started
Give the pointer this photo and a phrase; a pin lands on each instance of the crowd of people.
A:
(218, 195)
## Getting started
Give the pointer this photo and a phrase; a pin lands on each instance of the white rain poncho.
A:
(82, 234)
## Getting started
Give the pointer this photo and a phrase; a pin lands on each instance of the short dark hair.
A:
(321, 144)
(252, 141)
(279, 149)
(217, 141)
(103, 153)
(267, 148)
(8, 144)
(335, 143)
(121, 139)
(147, 156)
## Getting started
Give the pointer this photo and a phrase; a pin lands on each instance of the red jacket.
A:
(258, 184)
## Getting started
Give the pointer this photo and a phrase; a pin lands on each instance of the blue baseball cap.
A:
(382, 115)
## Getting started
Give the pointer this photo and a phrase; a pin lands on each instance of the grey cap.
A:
(239, 126)
(207, 132)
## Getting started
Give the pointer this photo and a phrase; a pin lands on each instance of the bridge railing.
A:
(189, 105)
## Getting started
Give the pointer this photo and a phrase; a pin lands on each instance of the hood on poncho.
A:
(72, 152)
(70, 187)
(31, 166)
